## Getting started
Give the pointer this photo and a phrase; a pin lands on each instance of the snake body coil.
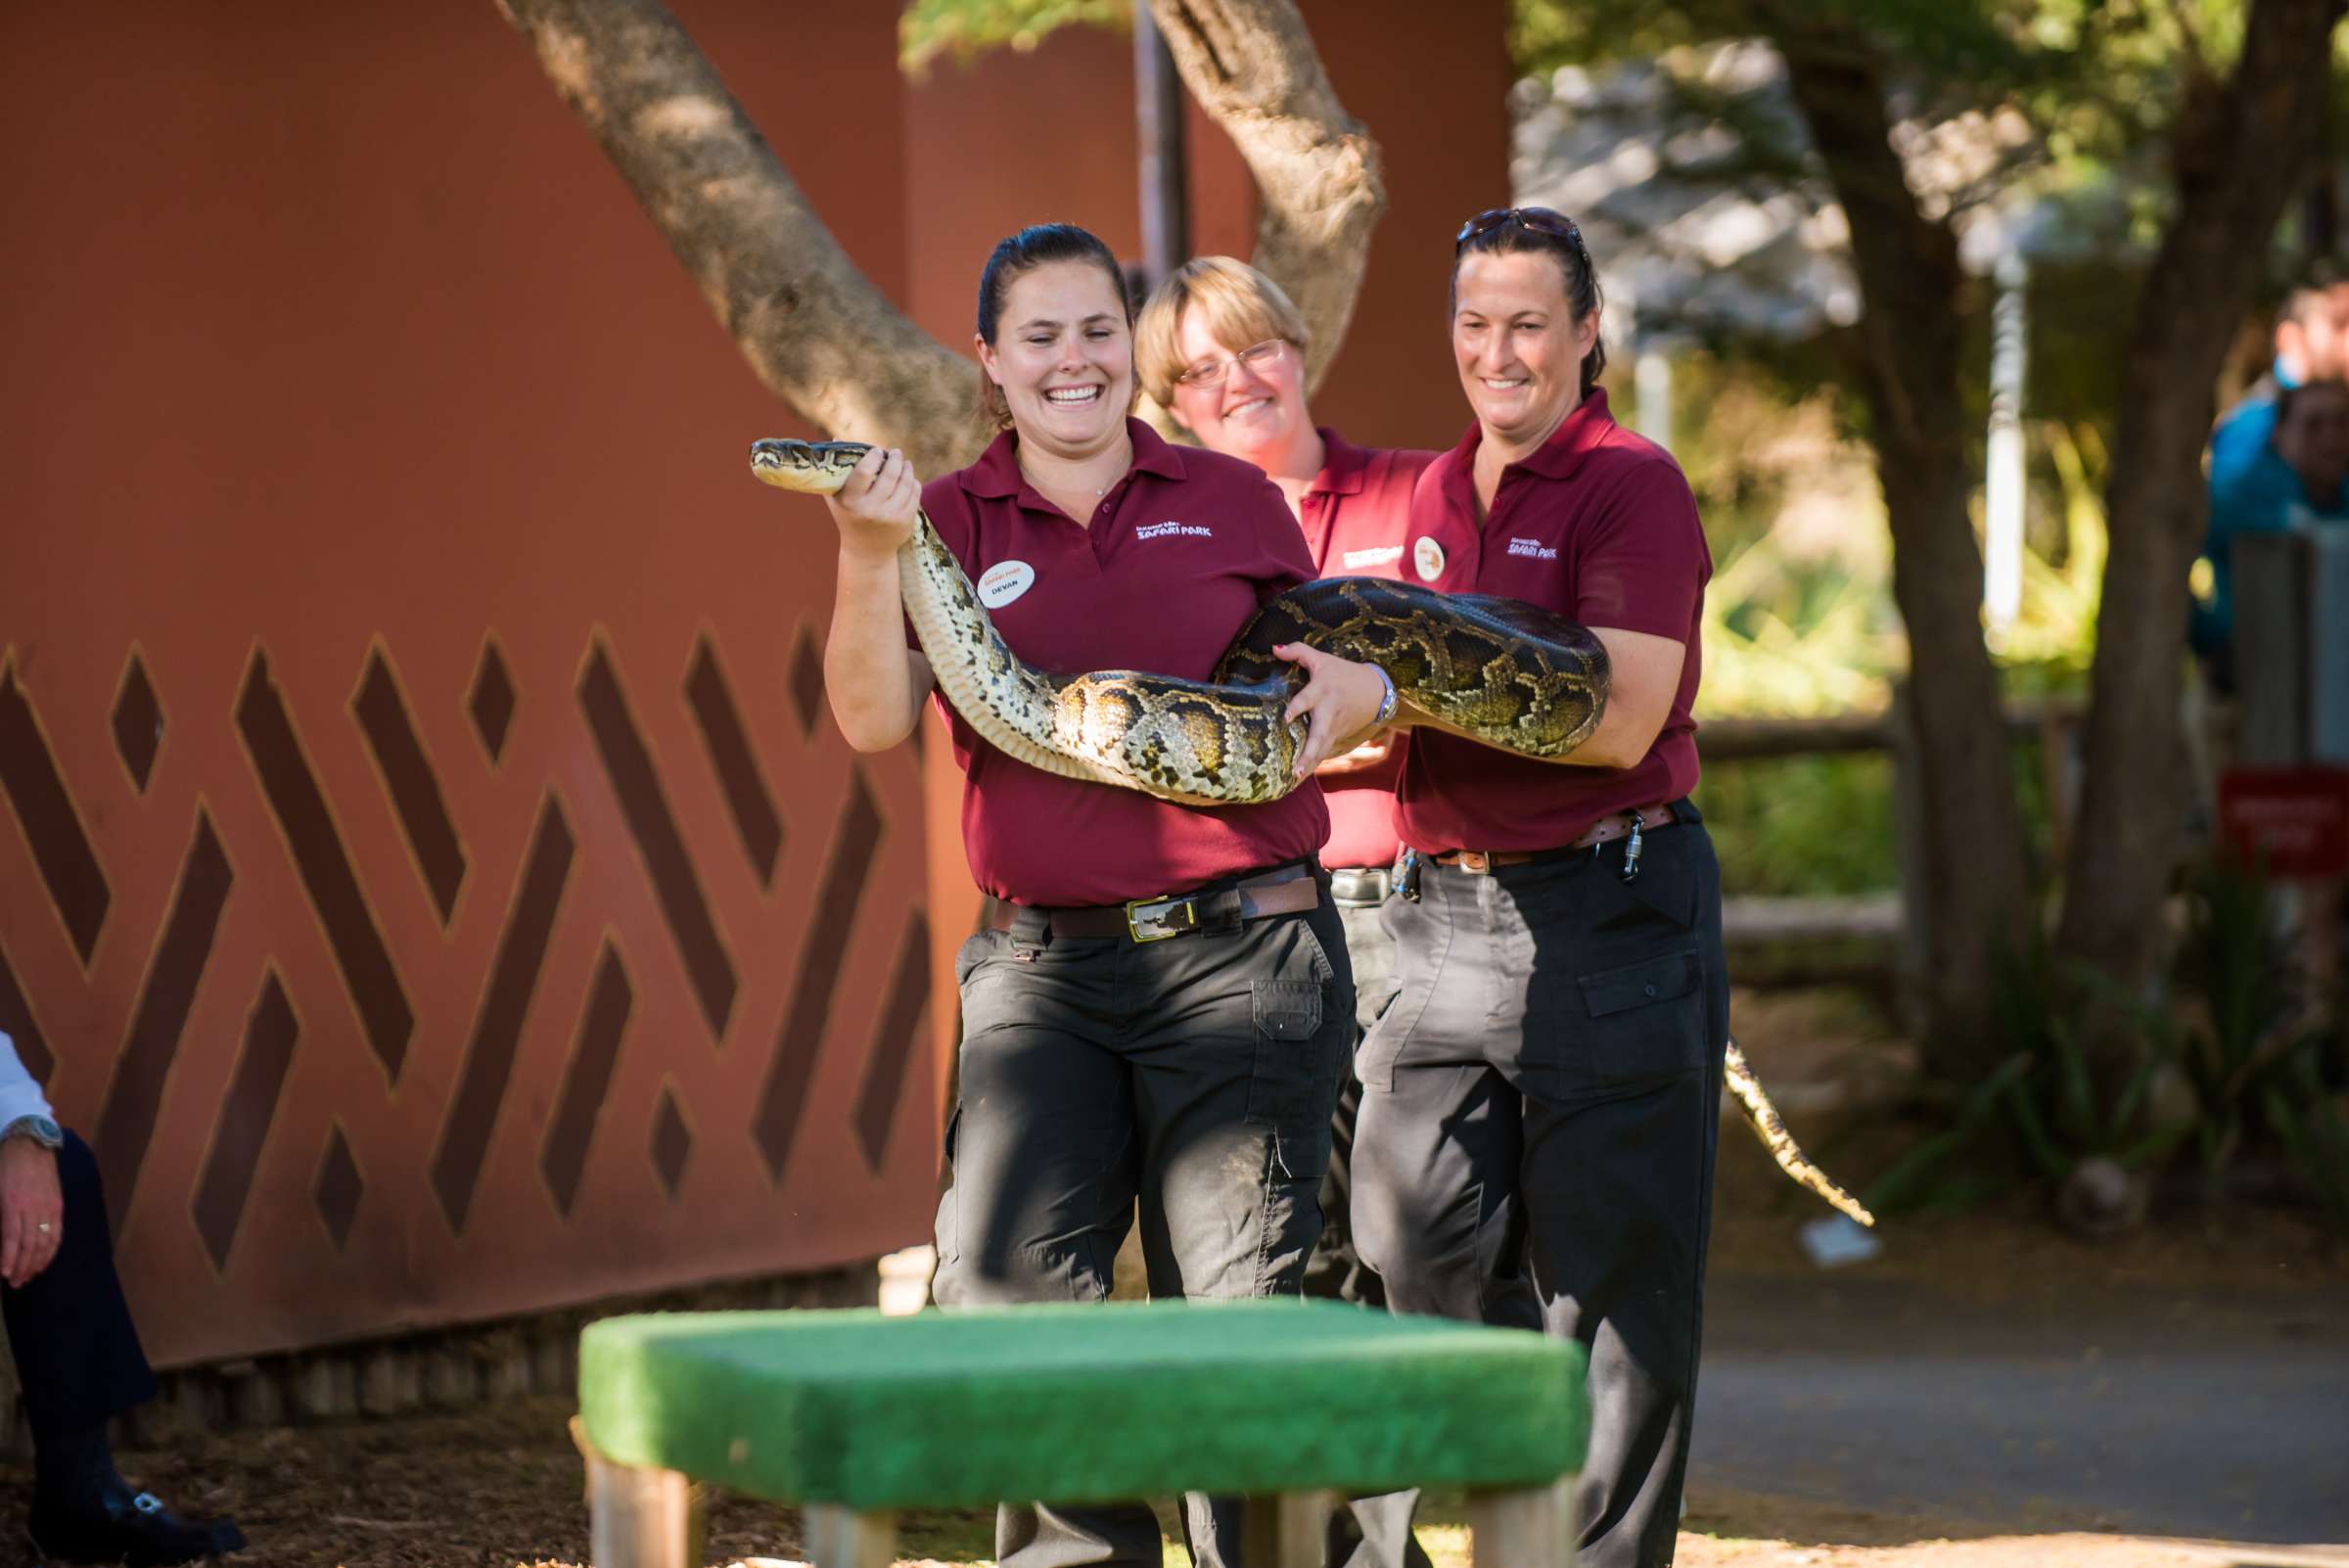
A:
(1506, 673)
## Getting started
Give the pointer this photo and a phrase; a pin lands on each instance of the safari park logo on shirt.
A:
(1004, 581)
(1382, 555)
(1533, 550)
(1183, 530)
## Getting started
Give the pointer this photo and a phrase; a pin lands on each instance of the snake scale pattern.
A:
(1496, 671)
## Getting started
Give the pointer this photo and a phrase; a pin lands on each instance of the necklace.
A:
(1031, 479)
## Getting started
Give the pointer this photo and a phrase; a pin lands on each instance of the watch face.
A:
(39, 1129)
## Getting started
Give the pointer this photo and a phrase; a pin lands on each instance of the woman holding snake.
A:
(1542, 1096)
(1100, 1064)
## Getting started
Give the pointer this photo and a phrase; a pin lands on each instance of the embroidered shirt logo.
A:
(1533, 549)
(1004, 581)
(1187, 530)
(1381, 556)
(1427, 559)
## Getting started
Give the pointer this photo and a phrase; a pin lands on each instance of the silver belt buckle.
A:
(1161, 910)
(1360, 887)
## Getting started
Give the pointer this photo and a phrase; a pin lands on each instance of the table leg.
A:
(640, 1518)
(1529, 1527)
(1288, 1528)
(842, 1537)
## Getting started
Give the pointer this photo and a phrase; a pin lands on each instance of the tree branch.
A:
(1252, 65)
(815, 330)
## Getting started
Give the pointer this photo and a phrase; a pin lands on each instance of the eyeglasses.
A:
(1258, 357)
(1539, 220)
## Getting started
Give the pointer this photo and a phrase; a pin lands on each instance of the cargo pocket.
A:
(1293, 1086)
(1646, 1019)
(1423, 945)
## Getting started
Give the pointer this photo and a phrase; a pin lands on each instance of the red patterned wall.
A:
(428, 873)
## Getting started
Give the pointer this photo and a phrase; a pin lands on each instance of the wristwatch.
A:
(43, 1131)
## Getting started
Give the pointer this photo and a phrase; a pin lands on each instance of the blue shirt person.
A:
(2293, 480)
(2312, 344)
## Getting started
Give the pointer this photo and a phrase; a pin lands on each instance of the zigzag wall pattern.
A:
(272, 1189)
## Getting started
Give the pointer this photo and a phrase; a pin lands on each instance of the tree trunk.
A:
(815, 330)
(817, 333)
(1254, 69)
(1910, 334)
(2238, 150)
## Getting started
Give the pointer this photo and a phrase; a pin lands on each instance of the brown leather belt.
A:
(1606, 830)
(1223, 906)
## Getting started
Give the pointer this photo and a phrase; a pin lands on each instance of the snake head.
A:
(813, 468)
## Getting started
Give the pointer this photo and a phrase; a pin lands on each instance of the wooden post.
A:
(2271, 573)
(1529, 1527)
(1288, 1528)
(639, 1518)
(840, 1538)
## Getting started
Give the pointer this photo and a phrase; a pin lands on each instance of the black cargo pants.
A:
(1543, 1095)
(1195, 1075)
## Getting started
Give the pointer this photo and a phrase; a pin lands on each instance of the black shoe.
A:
(129, 1527)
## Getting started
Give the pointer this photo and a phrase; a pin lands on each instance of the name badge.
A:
(1004, 581)
(1427, 559)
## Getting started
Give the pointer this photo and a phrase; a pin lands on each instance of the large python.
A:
(1496, 671)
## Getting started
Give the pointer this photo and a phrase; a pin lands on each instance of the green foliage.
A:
(2253, 1063)
(1801, 827)
(2045, 1108)
(2253, 1078)
(2314, 1128)
(1799, 618)
(963, 29)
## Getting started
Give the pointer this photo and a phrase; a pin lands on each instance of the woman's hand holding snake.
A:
(1340, 703)
(875, 509)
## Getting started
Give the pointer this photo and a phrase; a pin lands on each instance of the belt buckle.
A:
(1163, 907)
(1477, 863)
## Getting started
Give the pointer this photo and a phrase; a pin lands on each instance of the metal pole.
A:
(1651, 378)
(1158, 111)
(2002, 483)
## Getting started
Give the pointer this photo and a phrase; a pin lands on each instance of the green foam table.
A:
(854, 1416)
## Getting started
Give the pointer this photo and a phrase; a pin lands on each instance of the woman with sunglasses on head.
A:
(1541, 1097)
(1222, 347)
(1159, 1005)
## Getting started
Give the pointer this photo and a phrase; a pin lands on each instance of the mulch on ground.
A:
(501, 1486)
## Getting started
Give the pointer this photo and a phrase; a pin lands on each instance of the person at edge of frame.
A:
(1223, 348)
(78, 1358)
(1543, 1095)
(1101, 1065)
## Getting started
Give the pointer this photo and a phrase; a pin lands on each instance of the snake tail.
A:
(1763, 1116)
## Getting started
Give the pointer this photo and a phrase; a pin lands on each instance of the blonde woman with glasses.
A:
(1221, 347)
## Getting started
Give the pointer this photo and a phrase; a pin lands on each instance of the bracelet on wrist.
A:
(1391, 701)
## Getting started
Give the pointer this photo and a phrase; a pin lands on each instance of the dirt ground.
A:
(502, 1487)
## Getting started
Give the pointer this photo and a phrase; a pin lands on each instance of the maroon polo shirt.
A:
(1180, 554)
(1597, 525)
(1356, 514)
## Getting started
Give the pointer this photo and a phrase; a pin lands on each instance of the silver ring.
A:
(43, 1226)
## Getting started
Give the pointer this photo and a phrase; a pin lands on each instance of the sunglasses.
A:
(1537, 219)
